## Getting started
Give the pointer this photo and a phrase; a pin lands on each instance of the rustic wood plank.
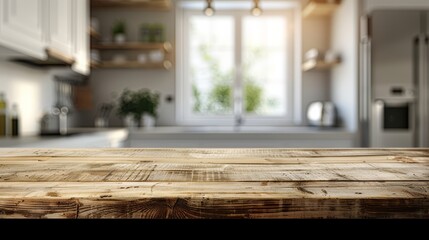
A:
(278, 190)
(214, 183)
(185, 172)
(212, 153)
(212, 200)
(181, 208)
(262, 156)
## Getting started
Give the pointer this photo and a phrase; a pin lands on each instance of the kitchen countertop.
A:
(214, 183)
(242, 130)
(78, 135)
(303, 132)
(242, 137)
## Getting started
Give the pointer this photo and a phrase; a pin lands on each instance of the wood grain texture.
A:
(214, 183)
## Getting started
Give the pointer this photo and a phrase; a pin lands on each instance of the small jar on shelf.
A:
(157, 33)
(145, 33)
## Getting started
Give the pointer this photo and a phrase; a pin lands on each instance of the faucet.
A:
(238, 120)
(238, 110)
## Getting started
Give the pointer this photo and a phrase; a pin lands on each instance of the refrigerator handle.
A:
(422, 93)
(365, 67)
(420, 55)
(416, 60)
(365, 81)
(416, 79)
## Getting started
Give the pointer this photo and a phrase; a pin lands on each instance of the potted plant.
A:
(137, 106)
(118, 31)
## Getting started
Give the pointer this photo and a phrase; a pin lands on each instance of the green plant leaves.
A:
(138, 102)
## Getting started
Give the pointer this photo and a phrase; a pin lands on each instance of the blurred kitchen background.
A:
(214, 73)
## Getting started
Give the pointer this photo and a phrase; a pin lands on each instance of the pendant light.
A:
(209, 10)
(256, 10)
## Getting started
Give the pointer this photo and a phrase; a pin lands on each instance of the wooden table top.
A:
(214, 183)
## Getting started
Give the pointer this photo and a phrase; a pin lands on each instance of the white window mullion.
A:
(238, 81)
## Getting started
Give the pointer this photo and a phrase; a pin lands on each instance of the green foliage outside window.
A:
(220, 97)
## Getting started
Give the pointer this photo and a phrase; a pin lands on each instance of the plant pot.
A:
(130, 121)
(120, 38)
(148, 121)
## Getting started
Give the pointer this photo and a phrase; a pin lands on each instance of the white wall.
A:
(371, 5)
(315, 84)
(344, 78)
(31, 89)
(106, 84)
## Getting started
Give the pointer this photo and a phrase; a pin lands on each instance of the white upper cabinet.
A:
(81, 43)
(22, 26)
(38, 27)
(61, 26)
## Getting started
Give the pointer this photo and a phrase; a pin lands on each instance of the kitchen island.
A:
(214, 183)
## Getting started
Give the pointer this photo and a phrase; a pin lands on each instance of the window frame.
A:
(184, 114)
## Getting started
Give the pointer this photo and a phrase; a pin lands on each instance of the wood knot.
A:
(52, 194)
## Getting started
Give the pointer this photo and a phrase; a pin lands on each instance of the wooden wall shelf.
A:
(107, 51)
(320, 8)
(133, 46)
(166, 63)
(133, 65)
(153, 5)
(318, 65)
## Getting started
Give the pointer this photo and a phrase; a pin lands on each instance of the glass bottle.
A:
(14, 118)
(2, 115)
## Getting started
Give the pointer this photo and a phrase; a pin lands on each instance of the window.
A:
(235, 65)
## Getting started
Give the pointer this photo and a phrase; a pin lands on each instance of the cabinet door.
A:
(81, 43)
(61, 26)
(22, 26)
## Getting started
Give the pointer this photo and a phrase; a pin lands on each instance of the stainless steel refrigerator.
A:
(394, 84)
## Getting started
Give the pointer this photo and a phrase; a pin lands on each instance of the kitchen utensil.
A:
(322, 114)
